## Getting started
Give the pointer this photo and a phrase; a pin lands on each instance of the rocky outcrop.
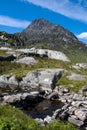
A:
(27, 60)
(23, 100)
(45, 53)
(8, 81)
(44, 79)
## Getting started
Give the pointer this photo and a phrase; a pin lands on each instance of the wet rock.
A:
(56, 113)
(53, 96)
(22, 99)
(64, 115)
(76, 122)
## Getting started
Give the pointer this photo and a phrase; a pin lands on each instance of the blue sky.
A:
(16, 15)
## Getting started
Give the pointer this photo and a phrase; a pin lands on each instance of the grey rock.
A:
(71, 110)
(27, 60)
(4, 80)
(76, 122)
(78, 97)
(82, 115)
(62, 90)
(53, 96)
(22, 99)
(44, 79)
(41, 121)
(46, 53)
(13, 81)
(8, 81)
(56, 113)
(64, 115)
(76, 103)
(75, 76)
(11, 99)
(48, 119)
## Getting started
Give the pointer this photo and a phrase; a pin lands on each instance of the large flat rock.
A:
(43, 79)
(45, 52)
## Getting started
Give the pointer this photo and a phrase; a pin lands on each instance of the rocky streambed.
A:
(39, 97)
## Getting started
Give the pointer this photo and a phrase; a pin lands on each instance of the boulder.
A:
(64, 115)
(22, 100)
(75, 76)
(56, 113)
(78, 97)
(71, 110)
(13, 82)
(53, 96)
(11, 99)
(82, 115)
(8, 82)
(76, 122)
(48, 119)
(27, 60)
(44, 79)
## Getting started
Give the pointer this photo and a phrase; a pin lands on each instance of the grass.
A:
(73, 85)
(22, 69)
(3, 53)
(14, 119)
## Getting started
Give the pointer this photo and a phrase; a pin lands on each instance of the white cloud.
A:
(8, 21)
(82, 35)
(74, 10)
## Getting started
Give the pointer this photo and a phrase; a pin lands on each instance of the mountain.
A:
(44, 34)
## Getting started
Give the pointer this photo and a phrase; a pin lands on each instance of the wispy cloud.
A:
(8, 21)
(82, 35)
(74, 10)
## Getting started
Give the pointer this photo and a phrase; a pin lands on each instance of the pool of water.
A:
(44, 108)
